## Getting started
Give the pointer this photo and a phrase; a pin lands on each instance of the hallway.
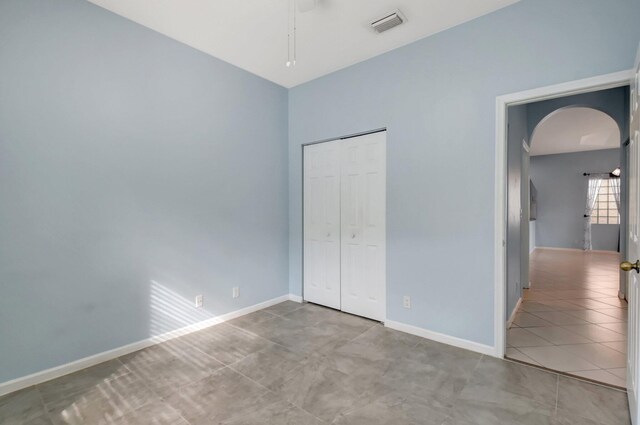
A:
(571, 319)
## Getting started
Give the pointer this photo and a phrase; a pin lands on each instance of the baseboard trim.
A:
(438, 337)
(553, 248)
(513, 313)
(65, 369)
(295, 298)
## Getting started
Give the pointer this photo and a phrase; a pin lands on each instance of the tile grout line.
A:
(557, 391)
(44, 406)
(229, 366)
(154, 392)
(273, 392)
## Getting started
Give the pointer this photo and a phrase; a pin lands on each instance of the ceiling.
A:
(575, 130)
(252, 34)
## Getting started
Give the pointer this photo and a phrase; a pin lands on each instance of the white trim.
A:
(617, 79)
(295, 298)
(557, 248)
(513, 313)
(65, 369)
(600, 251)
(438, 337)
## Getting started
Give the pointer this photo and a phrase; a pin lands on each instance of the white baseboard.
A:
(513, 313)
(552, 248)
(65, 369)
(295, 298)
(438, 337)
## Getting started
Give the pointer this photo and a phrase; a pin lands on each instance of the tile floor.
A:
(300, 364)
(571, 319)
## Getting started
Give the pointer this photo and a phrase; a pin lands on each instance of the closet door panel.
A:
(322, 224)
(363, 225)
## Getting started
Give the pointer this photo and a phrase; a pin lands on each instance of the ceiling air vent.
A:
(388, 21)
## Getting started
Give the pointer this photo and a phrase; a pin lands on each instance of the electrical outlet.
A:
(406, 303)
(199, 301)
(236, 291)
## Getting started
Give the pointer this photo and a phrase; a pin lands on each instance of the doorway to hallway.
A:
(566, 215)
(569, 164)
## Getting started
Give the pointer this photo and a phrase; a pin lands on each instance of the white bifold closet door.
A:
(360, 207)
(322, 223)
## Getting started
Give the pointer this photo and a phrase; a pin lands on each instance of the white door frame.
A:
(603, 82)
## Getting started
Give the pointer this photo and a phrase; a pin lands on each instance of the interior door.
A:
(633, 281)
(363, 205)
(322, 223)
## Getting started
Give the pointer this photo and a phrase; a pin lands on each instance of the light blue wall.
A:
(127, 158)
(562, 196)
(605, 237)
(612, 101)
(437, 99)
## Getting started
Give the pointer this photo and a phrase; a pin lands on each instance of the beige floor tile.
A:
(559, 336)
(515, 354)
(618, 313)
(533, 306)
(529, 320)
(590, 304)
(593, 316)
(595, 333)
(611, 292)
(621, 328)
(620, 346)
(572, 294)
(620, 372)
(520, 337)
(560, 318)
(601, 376)
(614, 301)
(598, 354)
(554, 357)
(548, 305)
(534, 296)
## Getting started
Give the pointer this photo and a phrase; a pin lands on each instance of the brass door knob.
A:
(627, 266)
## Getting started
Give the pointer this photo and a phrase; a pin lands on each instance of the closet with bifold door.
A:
(344, 231)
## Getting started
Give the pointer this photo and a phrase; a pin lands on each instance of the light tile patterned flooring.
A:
(300, 364)
(571, 320)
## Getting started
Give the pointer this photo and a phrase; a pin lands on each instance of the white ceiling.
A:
(252, 34)
(575, 130)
